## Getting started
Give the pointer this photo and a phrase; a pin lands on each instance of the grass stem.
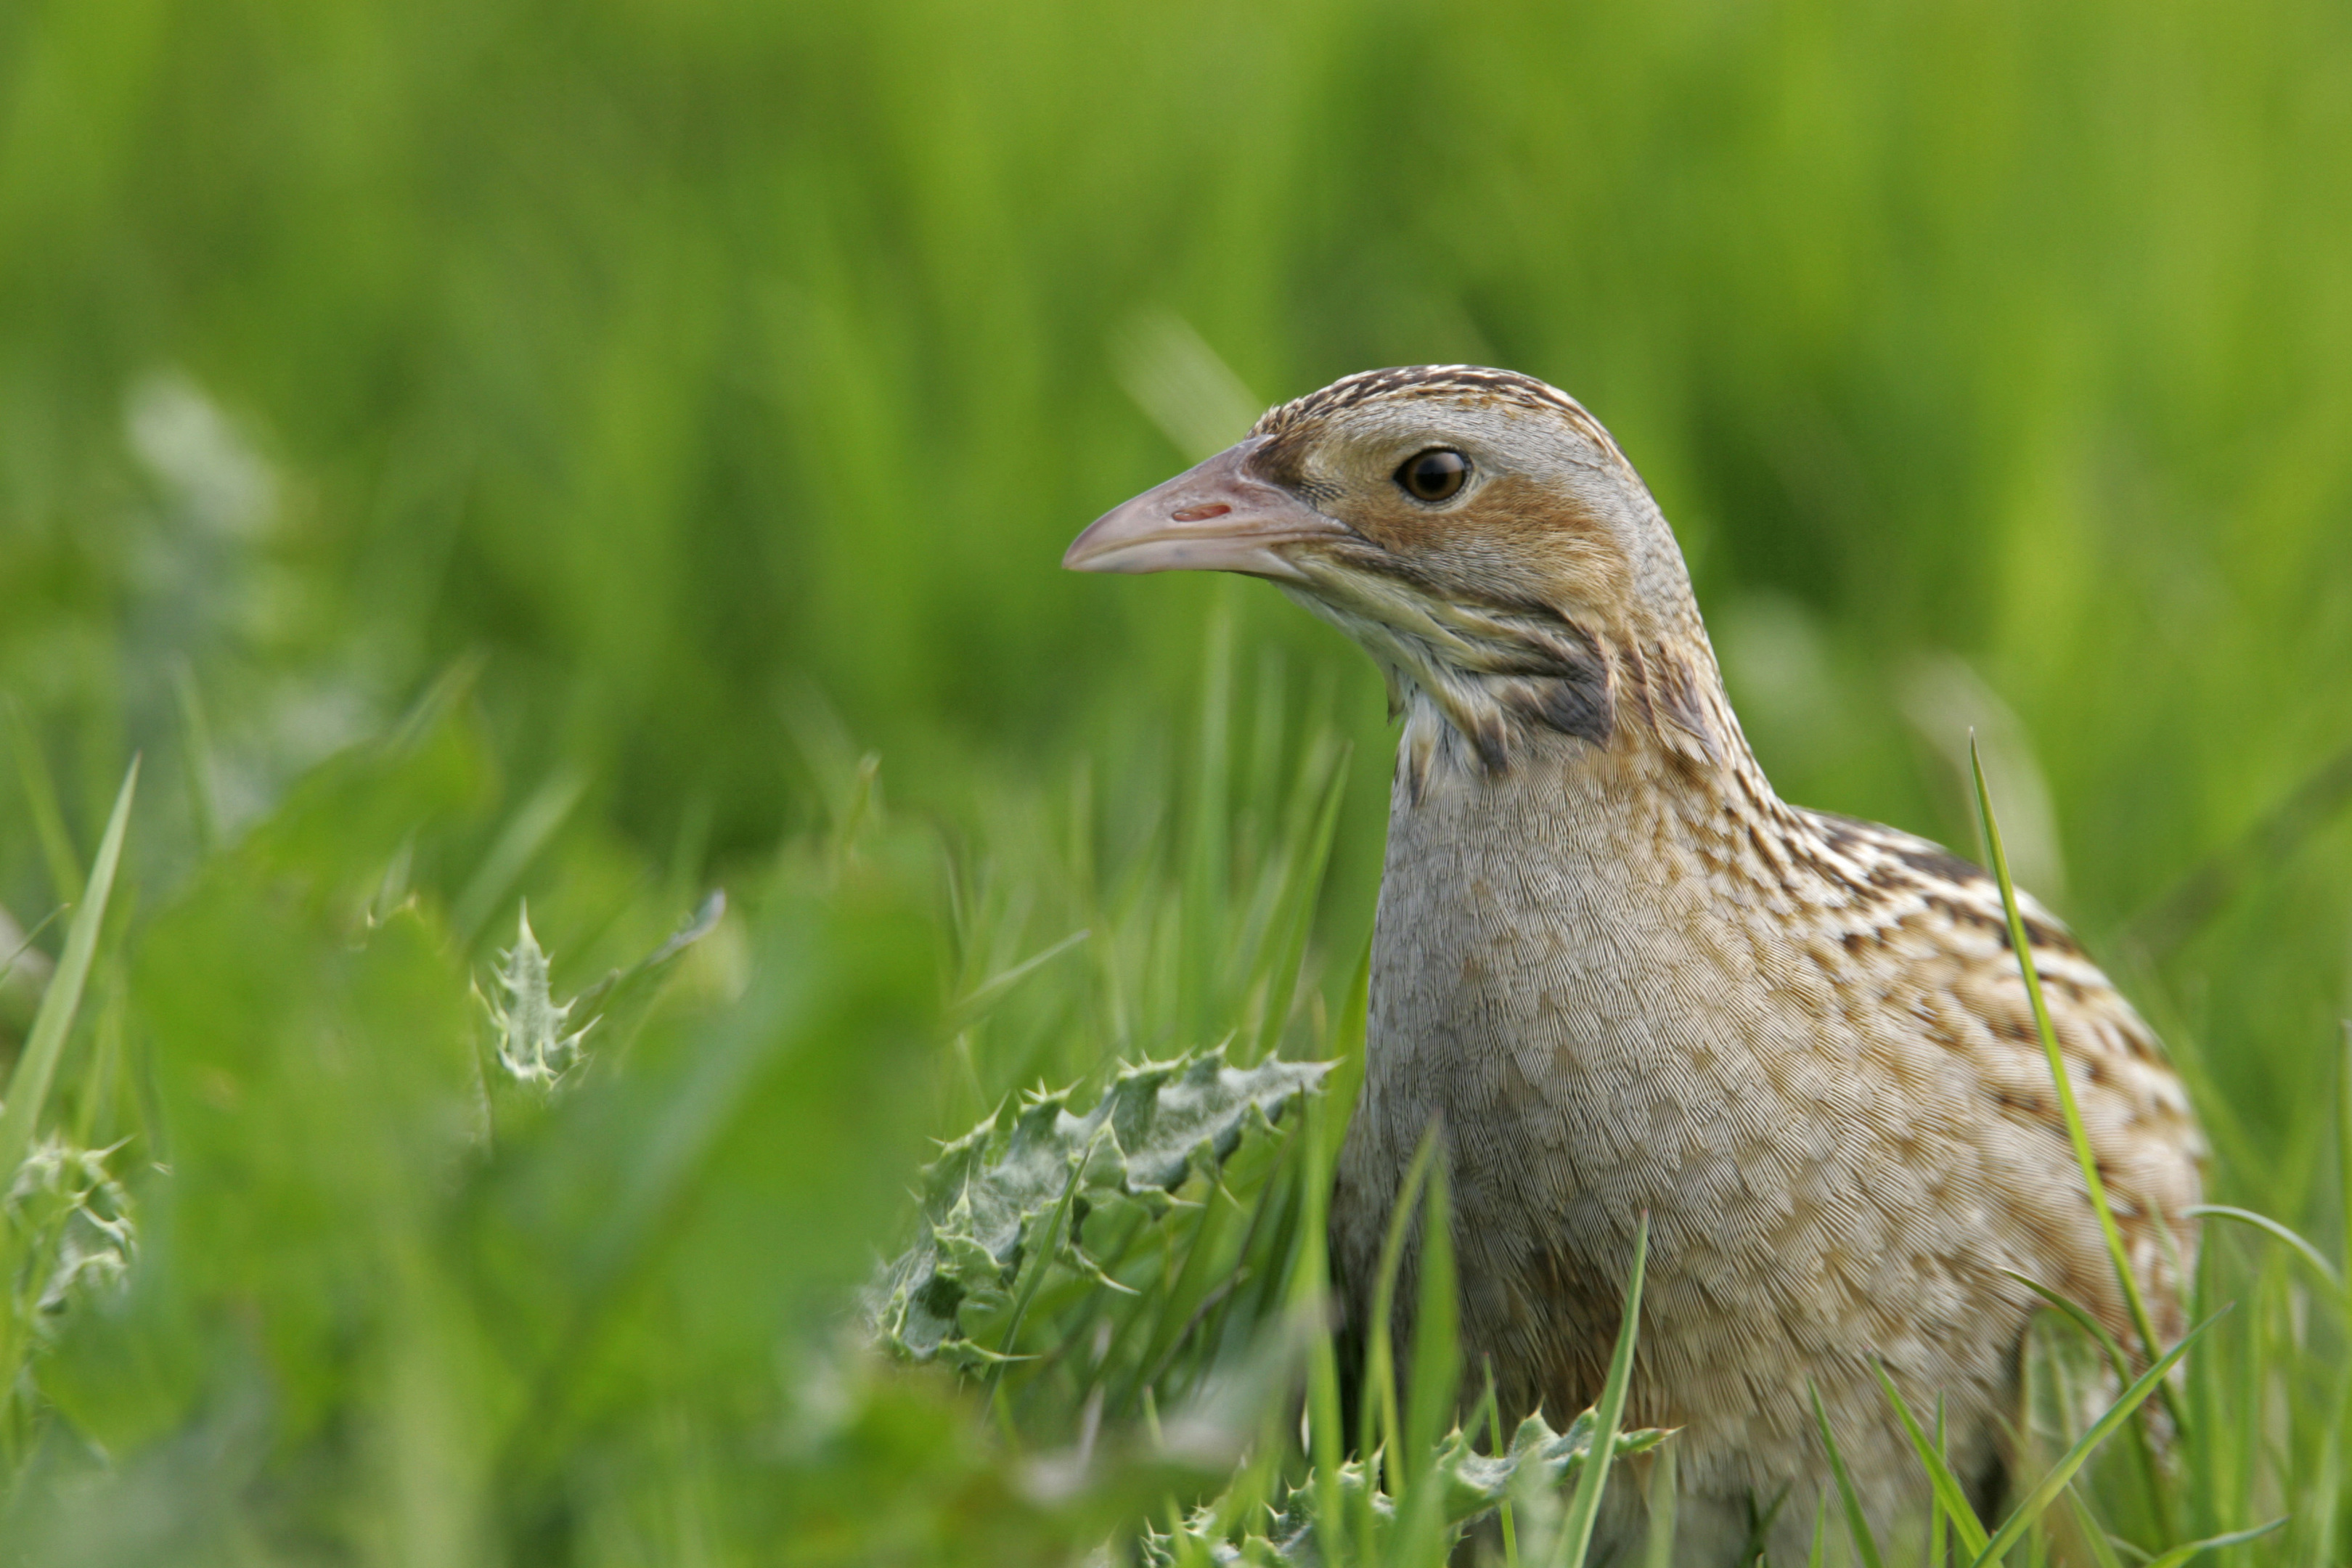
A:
(2085, 1157)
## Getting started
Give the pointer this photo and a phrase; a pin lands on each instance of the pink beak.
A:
(1217, 517)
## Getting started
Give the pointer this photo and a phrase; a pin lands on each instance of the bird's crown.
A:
(1469, 384)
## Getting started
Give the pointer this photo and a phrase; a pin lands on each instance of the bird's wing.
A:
(1939, 919)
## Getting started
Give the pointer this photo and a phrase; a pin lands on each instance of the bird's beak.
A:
(1218, 517)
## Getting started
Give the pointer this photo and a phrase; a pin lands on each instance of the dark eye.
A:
(1435, 475)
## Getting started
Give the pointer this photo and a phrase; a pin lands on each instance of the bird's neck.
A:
(1623, 711)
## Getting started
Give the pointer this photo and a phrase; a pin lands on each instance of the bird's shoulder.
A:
(1906, 905)
(1925, 930)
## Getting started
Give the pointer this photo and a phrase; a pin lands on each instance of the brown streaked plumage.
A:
(1621, 974)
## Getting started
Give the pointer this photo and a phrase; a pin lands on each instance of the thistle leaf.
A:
(1470, 1486)
(994, 1195)
(533, 1045)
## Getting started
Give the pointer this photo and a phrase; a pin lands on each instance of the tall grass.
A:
(386, 1288)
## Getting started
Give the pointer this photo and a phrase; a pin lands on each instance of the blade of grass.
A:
(1498, 1444)
(28, 1086)
(1346, 1082)
(2327, 1493)
(2250, 1386)
(1663, 1493)
(2094, 1535)
(1042, 1257)
(450, 688)
(2085, 1156)
(1865, 1542)
(25, 946)
(1207, 888)
(1270, 1214)
(2183, 1552)
(196, 756)
(96, 1117)
(2046, 1491)
(2143, 1451)
(2196, 898)
(1261, 779)
(1197, 1280)
(1815, 1553)
(41, 800)
(2344, 1152)
(526, 835)
(2081, 1318)
(1436, 1377)
(1378, 1426)
(2263, 1222)
(967, 1007)
(2329, 1501)
(1575, 1537)
(1310, 854)
(1310, 1297)
(1938, 1520)
(1953, 1502)
(1436, 1327)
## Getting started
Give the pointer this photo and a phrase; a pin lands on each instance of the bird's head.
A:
(1477, 531)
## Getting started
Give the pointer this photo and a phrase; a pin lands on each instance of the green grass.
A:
(392, 1285)
(600, 455)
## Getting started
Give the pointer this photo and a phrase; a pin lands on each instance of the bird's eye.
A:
(1435, 475)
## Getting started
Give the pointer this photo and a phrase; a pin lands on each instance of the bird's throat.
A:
(1571, 704)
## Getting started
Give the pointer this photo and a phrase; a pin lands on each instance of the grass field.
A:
(589, 458)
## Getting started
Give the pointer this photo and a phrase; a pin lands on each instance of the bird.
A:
(1627, 983)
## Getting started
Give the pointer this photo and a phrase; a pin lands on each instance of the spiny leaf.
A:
(533, 1045)
(85, 1215)
(998, 1190)
(1468, 1486)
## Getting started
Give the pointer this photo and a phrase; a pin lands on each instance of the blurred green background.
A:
(723, 379)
